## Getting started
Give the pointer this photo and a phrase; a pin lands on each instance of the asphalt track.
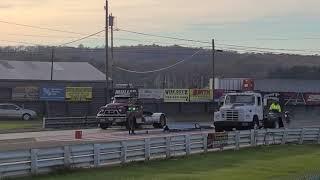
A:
(13, 141)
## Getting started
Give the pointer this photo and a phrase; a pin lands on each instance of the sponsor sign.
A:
(25, 93)
(126, 92)
(150, 93)
(176, 95)
(79, 94)
(312, 99)
(201, 95)
(52, 93)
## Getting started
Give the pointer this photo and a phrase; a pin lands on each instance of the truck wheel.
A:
(162, 122)
(104, 126)
(276, 125)
(255, 123)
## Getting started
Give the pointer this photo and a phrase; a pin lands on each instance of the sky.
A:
(272, 24)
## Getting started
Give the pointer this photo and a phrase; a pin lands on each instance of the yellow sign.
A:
(176, 95)
(201, 95)
(78, 94)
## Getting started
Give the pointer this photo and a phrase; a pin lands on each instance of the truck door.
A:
(259, 108)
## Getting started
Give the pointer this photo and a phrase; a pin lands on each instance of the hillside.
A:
(192, 73)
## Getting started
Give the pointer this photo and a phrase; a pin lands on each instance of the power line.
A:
(22, 42)
(161, 69)
(160, 36)
(80, 39)
(38, 27)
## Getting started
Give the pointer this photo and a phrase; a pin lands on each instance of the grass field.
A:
(19, 125)
(274, 162)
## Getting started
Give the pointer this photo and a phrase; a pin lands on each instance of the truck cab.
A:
(240, 111)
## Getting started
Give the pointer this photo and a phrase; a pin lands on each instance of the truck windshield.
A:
(240, 99)
(121, 100)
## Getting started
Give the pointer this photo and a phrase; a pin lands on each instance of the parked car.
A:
(13, 111)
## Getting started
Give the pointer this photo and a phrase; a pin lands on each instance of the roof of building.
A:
(287, 85)
(36, 70)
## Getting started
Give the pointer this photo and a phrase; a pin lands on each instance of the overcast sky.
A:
(266, 23)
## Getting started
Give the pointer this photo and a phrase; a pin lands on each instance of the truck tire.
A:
(276, 125)
(255, 123)
(162, 122)
(104, 126)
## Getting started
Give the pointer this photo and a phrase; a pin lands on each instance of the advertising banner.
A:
(79, 94)
(25, 93)
(201, 95)
(176, 95)
(150, 93)
(52, 93)
(312, 99)
(126, 92)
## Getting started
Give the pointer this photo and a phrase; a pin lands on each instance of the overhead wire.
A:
(160, 69)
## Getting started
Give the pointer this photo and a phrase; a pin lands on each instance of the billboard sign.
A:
(126, 92)
(176, 95)
(52, 93)
(201, 95)
(25, 93)
(78, 94)
(150, 93)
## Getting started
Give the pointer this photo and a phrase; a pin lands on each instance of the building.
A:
(29, 84)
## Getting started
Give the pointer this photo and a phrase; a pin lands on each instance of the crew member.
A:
(275, 106)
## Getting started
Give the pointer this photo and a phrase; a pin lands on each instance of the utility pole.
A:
(52, 60)
(107, 52)
(213, 63)
(111, 24)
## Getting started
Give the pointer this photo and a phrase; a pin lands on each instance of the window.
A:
(11, 107)
(259, 101)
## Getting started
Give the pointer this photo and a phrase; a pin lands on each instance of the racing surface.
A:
(301, 117)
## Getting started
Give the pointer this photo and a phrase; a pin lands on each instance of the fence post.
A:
(205, 142)
(188, 145)
(266, 138)
(237, 140)
(96, 150)
(43, 123)
(319, 137)
(252, 137)
(34, 161)
(168, 143)
(123, 151)
(284, 136)
(67, 156)
(302, 136)
(147, 149)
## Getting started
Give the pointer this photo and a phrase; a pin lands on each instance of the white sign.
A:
(150, 93)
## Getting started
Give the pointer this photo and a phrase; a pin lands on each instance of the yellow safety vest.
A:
(275, 107)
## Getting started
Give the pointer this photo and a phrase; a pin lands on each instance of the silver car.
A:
(13, 111)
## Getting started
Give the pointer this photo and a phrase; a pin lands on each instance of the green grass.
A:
(274, 162)
(19, 124)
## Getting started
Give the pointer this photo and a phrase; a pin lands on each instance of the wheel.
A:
(276, 125)
(163, 121)
(255, 124)
(26, 117)
(104, 126)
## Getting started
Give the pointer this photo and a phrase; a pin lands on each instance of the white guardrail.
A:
(36, 161)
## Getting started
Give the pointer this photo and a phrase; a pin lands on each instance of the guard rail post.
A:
(188, 145)
(205, 142)
(96, 150)
(168, 148)
(237, 140)
(302, 136)
(147, 149)
(34, 161)
(319, 137)
(123, 152)
(67, 156)
(284, 137)
(44, 122)
(252, 138)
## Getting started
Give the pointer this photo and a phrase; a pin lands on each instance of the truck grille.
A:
(231, 115)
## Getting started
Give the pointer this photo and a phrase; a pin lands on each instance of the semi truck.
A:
(247, 110)
(125, 106)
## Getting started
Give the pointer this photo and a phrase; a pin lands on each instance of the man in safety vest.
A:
(275, 106)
